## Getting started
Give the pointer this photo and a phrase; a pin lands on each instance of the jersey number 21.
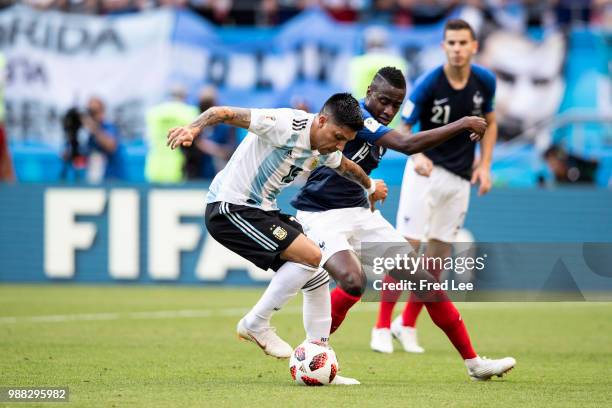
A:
(441, 114)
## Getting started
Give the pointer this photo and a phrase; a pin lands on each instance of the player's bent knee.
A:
(352, 281)
(345, 268)
(354, 289)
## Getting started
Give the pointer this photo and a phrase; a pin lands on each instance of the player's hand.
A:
(476, 125)
(181, 136)
(482, 175)
(422, 165)
(380, 194)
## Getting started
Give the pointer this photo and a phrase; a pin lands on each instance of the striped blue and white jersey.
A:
(276, 149)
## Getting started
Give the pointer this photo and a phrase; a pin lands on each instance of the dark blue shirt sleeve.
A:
(488, 79)
(489, 104)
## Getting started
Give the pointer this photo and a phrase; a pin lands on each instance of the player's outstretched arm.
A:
(421, 141)
(185, 135)
(377, 189)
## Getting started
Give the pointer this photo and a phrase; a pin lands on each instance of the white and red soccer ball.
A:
(313, 364)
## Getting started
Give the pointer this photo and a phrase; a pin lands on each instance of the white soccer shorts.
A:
(346, 228)
(432, 207)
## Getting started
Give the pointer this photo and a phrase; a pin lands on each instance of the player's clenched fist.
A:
(380, 194)
(381, 190)
(477, 125)
(181, 136)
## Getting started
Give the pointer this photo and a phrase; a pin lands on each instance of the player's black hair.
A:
(459, 24)
(393, 76)
(344, 110)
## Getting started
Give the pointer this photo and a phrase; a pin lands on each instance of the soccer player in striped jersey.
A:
(242, 214)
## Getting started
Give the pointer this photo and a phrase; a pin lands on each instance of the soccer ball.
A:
(313, 364)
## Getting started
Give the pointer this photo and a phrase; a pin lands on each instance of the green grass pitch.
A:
(138, 346)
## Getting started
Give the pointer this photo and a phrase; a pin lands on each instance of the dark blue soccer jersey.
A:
(327, 190)
(434, 103)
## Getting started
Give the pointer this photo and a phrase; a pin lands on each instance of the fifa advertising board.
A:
(116, 234)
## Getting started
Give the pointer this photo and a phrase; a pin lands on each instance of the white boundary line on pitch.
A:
(237, 312)
(157, 314)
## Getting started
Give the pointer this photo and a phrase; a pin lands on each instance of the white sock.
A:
(284, 285)
(317, 308)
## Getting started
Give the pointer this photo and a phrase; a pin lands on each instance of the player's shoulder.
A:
(372, 128)
(485, 75)
(282, 118)
(370, 124)
(364, 110)
(288, 113)
(300, 114)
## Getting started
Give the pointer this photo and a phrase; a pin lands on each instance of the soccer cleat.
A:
(266, 339)
(406, 335)
(339, 380)
(482, 368)
(381, 340)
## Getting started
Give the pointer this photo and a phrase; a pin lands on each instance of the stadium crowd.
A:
(93, 150)
(94, 147)
(399, 12)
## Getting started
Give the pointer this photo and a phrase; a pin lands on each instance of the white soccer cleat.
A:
(381, 340)
(406, 335)
(482, 368)
(266, 339)
(340, 380)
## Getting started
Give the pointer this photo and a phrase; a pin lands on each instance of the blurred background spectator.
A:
(506, 13)
(74, 157)
(552, 61)
(300, 102)
(346, 11)
(6, 164)
(162, 164)
(91, 144)
(211, 151)
(70, 6)
(423, 12)
(103, 161)
(569, 168)
(377, 53)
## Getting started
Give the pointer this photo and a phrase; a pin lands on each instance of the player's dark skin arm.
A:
(421, 141)
(184, 136)
(352, 171)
